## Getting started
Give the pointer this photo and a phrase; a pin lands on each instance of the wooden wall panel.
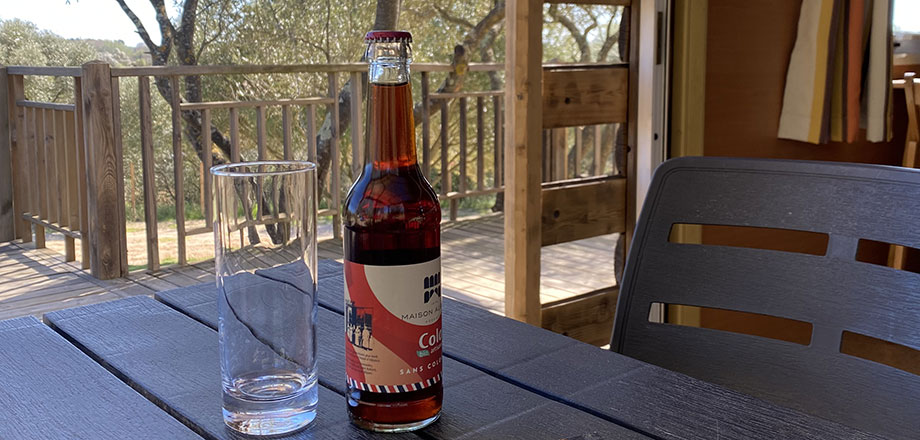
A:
(585, 96)
(584, 210)
(748, 47)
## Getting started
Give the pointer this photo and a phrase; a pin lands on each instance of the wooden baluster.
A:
(426, 128)
(357, 134)
(311, 132)
(19, 156)
(463, 157)
(559, 145)
(235, 157)
(480, 140)
(41, 209)
(63, 166)
(45, 128)
(201, 173)
(445, 168)
(578, 151)
(335, 186)
(178, 172)
(50, 166)
(260, 130)
(60, 144)
(8, 220)
(497, 144)
(82, 183)
(234, 135)
(121, 226)
(73, 161)
(73, 185)
(598, 165)
(147, 165)
(286, 129)
(208, 158)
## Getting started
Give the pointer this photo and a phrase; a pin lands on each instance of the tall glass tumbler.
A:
(265, 243)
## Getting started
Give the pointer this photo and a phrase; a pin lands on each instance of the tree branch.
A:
(450, 18)
(577, 35)
(141, 30)
(612, 39)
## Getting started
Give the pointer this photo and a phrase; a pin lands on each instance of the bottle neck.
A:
(391, 126)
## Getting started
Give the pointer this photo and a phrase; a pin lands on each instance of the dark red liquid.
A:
(392, 217)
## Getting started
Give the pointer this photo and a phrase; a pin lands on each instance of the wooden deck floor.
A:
(35, 281)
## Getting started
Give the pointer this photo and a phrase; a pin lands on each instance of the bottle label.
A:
(393, 326)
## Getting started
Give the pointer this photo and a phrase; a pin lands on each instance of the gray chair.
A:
(833, 292)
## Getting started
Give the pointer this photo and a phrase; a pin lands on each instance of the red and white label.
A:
(393, 326)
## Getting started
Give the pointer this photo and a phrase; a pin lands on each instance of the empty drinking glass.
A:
(265, 242)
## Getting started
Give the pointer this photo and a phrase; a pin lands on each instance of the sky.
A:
(104, 19)
(99, 19)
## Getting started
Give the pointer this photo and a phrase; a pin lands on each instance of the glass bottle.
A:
(392, 259)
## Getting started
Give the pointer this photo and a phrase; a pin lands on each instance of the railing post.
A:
(7, 222)
(105, 179)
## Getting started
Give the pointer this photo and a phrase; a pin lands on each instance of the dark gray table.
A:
(148, 368)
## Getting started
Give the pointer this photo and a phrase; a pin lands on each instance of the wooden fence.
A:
(67, 171)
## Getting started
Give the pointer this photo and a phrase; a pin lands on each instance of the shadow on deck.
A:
(36, 281)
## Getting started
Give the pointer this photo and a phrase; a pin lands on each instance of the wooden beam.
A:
(587, 317)
(632, 124)
(44, 70)
(583, 96)
(583, 210)
(523, 157)
(104, 177)
(688, 106)
(213, 105)
(7, 217)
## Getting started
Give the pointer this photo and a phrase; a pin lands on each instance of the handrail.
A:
(45, 105)
(241, 69)
(289, 68)
(44, 70)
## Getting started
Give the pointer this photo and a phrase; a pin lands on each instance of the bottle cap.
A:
(388, 36)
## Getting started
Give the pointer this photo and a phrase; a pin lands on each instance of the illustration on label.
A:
(393, 326)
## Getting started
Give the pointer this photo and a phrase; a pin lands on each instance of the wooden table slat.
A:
(175, 359)
(51, 390)
(477, 405)
(650, 399)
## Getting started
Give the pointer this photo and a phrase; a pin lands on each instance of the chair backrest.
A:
(833, 292)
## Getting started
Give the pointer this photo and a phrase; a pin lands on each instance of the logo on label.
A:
(432, 286)
(393, 326)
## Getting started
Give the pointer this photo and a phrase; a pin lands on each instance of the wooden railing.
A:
(47, 163)
(67, 159)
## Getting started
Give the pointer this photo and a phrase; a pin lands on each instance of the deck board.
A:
(35, 281)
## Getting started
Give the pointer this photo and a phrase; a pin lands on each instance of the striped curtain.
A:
(839, 76)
